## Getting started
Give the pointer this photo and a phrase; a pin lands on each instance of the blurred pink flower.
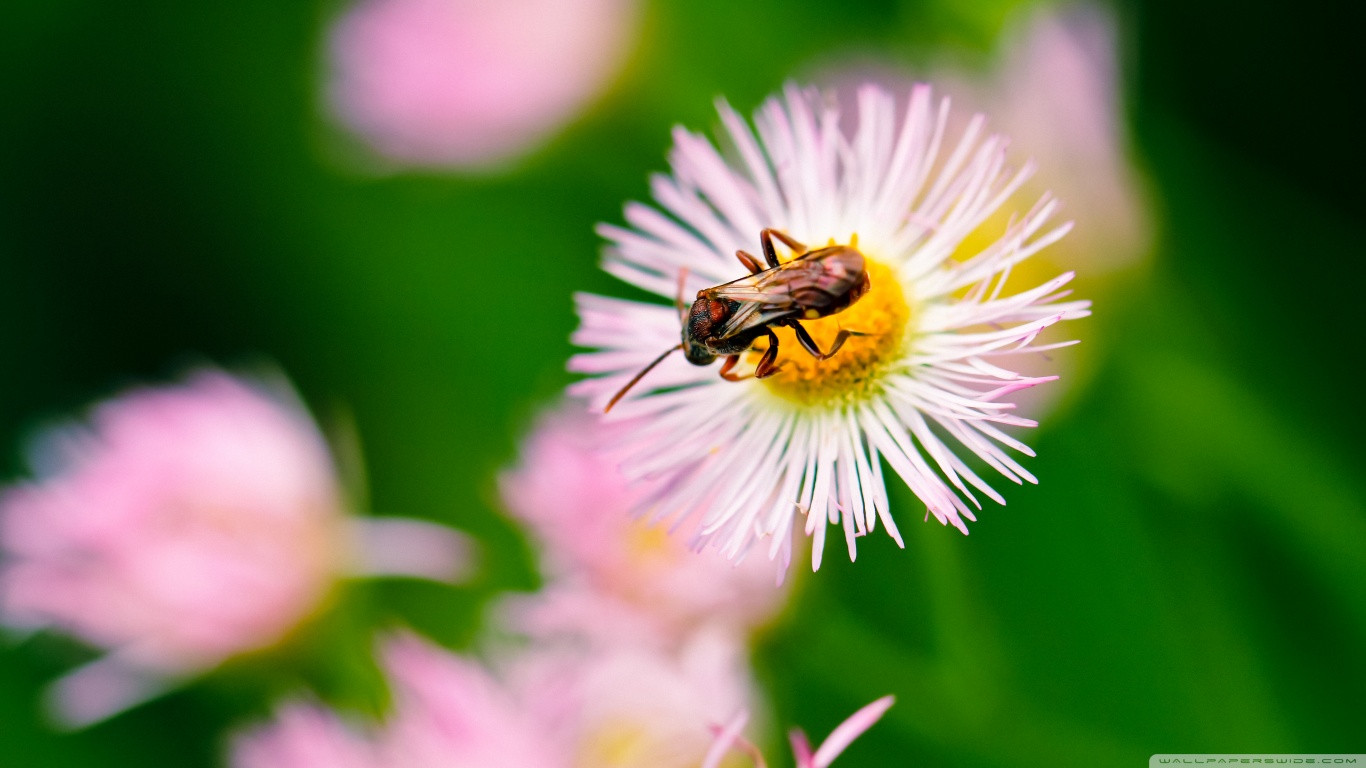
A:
(447, 711)
(607, 571)
(560, 709)
(634, 707)
(450, 711)
(304, 736)
(472, 83)
(728, 738)
(183, 526)
(1055, 88)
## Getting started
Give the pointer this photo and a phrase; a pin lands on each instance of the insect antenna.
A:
(640, 376)
(678, 299)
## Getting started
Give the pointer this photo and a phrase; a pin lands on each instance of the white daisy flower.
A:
(927, 369)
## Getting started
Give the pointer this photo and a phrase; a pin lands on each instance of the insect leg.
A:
(809, 344)
(770, 255)
(751, 263)
(731, 360)
(766, 366)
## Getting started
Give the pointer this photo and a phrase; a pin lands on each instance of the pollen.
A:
(880, 318)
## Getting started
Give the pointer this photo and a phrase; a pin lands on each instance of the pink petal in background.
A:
(472, 84)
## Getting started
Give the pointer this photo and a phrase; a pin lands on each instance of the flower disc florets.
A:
(925, 368)
(881, 317)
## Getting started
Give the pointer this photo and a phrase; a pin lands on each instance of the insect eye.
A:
(698, 354)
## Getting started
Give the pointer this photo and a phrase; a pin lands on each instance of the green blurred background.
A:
(1189, 575)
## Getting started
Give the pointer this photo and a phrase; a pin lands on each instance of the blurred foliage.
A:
(1187, 577)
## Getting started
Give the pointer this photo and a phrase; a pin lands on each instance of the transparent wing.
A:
(753, 314)
(818, 281)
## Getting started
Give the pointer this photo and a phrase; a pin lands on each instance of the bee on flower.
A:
(890, 339)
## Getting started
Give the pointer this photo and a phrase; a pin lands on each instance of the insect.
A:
(726, 320)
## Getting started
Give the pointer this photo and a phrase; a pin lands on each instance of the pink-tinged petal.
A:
(449, 710)
(632, 705)
(729, 736)
(399, 546)
(745, 745)
(725, 739)
(801, 748)
(101, 689)
(845, 733)
(303, 736)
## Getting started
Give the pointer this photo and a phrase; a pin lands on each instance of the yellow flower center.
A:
(881, 316)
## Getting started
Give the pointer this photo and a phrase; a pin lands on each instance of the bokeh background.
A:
(1189, 575)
